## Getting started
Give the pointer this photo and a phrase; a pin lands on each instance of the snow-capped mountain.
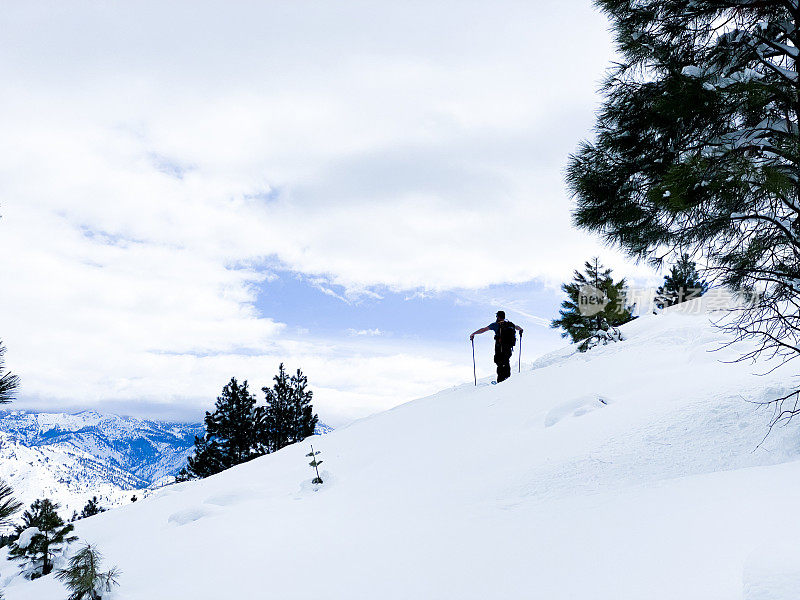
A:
(67, 477)
(633, 471)
(72, 457)
(134, 452)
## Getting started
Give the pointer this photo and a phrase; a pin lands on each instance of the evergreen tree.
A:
(697, 150)
(304, 419)
(83, 578)
(233, 434)
(91, 508)
(207, 460)
(288, 416)
(8, 381)
(8, 504)
(183, 474)
(595, 305)
(278, 416)
(683, 283)
(40, 537)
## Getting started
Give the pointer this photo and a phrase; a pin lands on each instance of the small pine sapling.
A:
(315, 463)
(83, 578)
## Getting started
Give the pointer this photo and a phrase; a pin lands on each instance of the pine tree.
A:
(304, 419)
(594, 307)
(83, 578)
(8, 504)
(40, 537)
(8, 381)
(278, 421)
(683, 283)
(91, 508)
(288, 416)
(697, 150)
(233, 434)
(207, 460)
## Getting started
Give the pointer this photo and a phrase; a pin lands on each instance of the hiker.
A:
(505, 338)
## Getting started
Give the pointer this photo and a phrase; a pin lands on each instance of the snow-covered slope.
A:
(67, 478)
(632, 472)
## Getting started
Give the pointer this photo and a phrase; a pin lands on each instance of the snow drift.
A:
(631, 472)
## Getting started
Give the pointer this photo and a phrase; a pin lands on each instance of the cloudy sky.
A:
(194, 191)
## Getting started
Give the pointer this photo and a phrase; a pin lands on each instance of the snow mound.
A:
(27, 536)
(190, 515)
(574, 408)
(633, 471)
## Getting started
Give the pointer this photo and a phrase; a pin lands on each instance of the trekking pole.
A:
(474, 373)
(520, 353)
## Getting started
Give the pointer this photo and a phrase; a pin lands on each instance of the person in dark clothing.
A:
(502, 351)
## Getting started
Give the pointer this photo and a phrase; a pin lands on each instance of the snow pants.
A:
(502, 358)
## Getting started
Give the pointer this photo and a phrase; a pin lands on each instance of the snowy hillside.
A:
(632, 472)
(69, 478)
(72, 457)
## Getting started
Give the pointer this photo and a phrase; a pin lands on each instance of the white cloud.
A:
(364, 332)
(153, 165)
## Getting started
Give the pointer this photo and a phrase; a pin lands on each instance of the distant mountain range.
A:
(72, 457)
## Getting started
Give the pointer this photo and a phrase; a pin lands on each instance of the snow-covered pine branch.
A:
(698, 150)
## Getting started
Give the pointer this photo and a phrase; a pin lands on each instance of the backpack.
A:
(507, 336)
